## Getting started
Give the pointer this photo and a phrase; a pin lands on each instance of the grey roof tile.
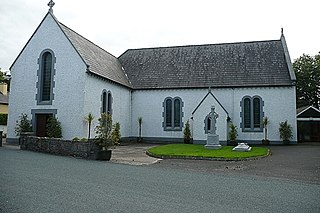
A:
(100, 61)
(260, 63)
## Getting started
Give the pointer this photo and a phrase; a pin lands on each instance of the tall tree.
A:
(307, 70)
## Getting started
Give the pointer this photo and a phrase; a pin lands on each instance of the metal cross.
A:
(51, 4)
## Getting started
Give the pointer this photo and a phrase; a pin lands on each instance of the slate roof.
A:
(261, 63)
(100, 61)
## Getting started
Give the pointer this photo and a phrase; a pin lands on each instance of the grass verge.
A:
(194, 151)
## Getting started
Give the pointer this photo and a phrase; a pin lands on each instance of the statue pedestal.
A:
(213, 142)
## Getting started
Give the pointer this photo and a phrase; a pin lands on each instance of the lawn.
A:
(192, 150)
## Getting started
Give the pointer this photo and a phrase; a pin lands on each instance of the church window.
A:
(109, 109)
(252, 113)
(45, 82)
(207, 124)
(173, 114)
(106, 102)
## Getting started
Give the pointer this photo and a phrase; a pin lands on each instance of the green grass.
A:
(192, 150)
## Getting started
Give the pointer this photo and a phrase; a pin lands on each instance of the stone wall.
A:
(86, 150)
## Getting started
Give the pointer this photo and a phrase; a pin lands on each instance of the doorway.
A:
(42, 124)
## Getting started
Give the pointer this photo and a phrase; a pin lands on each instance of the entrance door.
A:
(41, 125)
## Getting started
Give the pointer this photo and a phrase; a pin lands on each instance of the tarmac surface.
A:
(39, 182)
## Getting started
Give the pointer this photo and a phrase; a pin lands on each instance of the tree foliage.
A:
(307, 70)
(54, 128)
(107, 134)
(23, 124)
(187, 133)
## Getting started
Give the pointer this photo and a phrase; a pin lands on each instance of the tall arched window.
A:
(106, 102)
(168, 110)
(256, 113)
(173, 114)
(247, 113)
(46, 76)
(177, 111)
(252, 113)
(45, 82)
(109, 109)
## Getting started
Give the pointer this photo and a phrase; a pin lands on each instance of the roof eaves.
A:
(307, 108)
(288, 60)
(107, 79)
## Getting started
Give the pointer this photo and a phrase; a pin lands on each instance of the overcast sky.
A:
(119, 25)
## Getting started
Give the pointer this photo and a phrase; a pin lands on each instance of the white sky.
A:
(119, 25)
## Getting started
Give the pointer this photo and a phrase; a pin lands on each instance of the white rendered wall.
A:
(69, 80)
(121, 109)
(279, 105)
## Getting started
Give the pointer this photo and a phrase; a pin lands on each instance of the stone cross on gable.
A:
(51, 4)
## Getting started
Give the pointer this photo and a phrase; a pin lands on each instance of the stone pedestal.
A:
(213, 141)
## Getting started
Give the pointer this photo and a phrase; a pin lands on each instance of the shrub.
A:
(233, 132)
(54, 128)
(104, 131)
(23, 124)
(75, 139)
(116, 135)
(3, 119)
(187, 133)
(83, 139)
(285, 131)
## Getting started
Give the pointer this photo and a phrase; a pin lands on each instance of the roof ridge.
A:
(199, 45)
(87, 39)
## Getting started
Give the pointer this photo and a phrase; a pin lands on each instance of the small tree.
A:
(140, 126)
(265, 123)
(23, 124)
(116, 135)
(54, 128)
(187, 133)
(285, 131)
(103, 131)
(89, 118)
(233, 133)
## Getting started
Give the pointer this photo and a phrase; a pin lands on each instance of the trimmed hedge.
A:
(3, 119)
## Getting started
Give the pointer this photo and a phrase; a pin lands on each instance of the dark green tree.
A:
(54, 128)
(23, 124)
(307, 70)
(187, 133)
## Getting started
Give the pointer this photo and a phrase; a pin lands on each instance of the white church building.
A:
(60, 73)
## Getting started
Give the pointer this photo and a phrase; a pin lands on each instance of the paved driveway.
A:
(298, 162)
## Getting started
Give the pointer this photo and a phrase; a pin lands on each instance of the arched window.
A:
(168, 110)
(109, 110)
(173, 114)
(256, 113)
(207, 124)
(46, 76)
(247, 113)
(104, 102)
(45, 82)
(252, 113)
(177, 111)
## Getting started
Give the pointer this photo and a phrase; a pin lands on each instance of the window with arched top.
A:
(172, 114)
(109, 109)
(106, 102)
(46, 73)
(251, 113)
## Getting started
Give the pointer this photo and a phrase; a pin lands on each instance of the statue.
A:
(212, 137)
